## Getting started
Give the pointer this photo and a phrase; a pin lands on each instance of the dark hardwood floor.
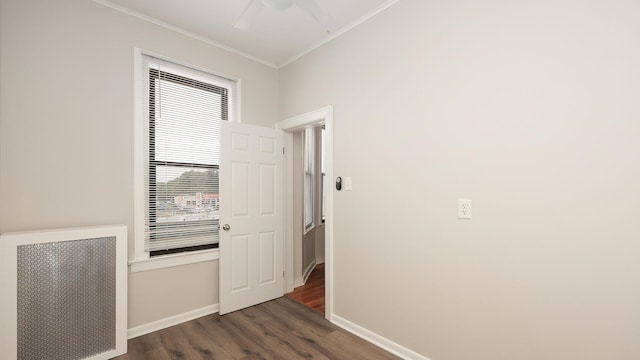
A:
(311, 294)
(278, 329)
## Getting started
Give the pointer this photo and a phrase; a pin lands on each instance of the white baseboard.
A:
(305, 275)
(376, 339)
(171, 321)
(308, 271)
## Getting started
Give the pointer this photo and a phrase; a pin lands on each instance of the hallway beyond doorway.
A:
(311, 294)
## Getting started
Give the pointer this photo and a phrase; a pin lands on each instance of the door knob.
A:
(226, 227)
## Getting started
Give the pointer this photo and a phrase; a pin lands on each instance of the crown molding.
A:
(204, 39)
(183, 32)
(340, 32)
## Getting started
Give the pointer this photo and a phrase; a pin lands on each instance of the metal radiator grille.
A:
(66, 299)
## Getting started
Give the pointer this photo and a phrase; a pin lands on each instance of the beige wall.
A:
(308, 250)
(530, 108)
(66, 128)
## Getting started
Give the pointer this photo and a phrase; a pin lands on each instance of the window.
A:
(184, 108)
(322, 170)
(309, 153)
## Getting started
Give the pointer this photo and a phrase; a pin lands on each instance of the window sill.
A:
(167, 261)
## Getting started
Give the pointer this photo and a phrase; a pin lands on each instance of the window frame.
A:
(308, 173)
(140, 260)
(322, 176)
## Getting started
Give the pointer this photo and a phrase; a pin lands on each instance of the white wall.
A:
(66, 128)
(530, 108)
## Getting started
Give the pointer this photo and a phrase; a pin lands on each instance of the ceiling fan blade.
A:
(249, 13)
(316, 12)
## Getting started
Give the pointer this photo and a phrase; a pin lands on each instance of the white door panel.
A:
(251, 251)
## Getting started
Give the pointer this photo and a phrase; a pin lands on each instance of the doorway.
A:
(318, 118)
(308, 218)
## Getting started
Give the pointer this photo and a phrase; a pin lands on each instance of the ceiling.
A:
(275, 37)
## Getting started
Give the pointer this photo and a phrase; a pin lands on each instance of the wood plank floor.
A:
(278, 329)
(311, 294)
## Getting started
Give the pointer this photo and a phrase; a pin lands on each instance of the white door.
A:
(251, 216)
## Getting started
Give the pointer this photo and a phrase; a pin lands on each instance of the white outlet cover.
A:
(465, 209)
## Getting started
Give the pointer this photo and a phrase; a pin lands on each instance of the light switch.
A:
(348, 183)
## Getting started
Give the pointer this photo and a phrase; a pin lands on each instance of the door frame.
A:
(323, 116)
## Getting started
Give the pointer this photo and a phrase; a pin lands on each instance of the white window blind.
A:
(309, 155)
(185, 108)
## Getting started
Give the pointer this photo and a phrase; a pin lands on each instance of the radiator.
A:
(63, 294)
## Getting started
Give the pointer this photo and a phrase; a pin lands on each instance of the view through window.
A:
(182, 177)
